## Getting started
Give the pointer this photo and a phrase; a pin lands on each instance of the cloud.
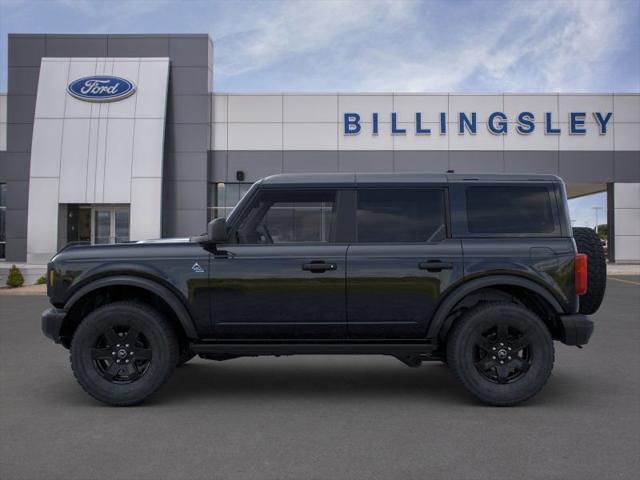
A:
(411, 46)
(376, 45)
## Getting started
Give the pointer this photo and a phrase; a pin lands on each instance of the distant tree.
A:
(603, 231)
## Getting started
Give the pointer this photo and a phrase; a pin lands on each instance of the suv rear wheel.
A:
(123, 352)
(501, 352)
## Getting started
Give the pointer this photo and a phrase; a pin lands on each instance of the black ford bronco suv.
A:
(482, 272)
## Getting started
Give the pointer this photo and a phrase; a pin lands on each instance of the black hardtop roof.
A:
(352, 179)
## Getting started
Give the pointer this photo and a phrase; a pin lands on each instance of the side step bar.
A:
(255, 349)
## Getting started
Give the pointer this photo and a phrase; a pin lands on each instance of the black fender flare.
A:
(161, 291)
(440, 325)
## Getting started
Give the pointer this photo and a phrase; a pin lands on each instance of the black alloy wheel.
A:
(502, 354)
(122, 354)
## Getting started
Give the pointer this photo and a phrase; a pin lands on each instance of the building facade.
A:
(81, 160)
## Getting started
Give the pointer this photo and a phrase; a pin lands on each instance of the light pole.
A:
(595, 209)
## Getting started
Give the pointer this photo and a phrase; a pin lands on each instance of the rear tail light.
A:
(580, 273)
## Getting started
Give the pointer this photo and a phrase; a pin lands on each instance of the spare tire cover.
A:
(588, 243)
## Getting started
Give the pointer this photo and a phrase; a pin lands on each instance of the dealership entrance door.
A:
(96, 224)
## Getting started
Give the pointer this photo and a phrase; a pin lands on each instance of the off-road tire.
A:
(155, 337)
(462, 349)
(588, 243)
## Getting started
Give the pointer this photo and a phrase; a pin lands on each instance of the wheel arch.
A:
(112, 288)
(508, 285)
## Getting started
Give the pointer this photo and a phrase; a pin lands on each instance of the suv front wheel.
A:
(123, 352)
(501, 352)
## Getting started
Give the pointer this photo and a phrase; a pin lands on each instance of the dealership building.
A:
(113, 138)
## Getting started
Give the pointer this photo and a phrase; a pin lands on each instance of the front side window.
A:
(289, 217)
(509, 209)
(400, 215)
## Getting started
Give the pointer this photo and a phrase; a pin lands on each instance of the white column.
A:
(626, 205)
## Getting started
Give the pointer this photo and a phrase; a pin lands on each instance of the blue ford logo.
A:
(102, 88)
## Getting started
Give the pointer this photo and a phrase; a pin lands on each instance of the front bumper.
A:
(576, 329)
(52, 319)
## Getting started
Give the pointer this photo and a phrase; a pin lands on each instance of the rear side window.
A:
(394, 215)
(509, 209)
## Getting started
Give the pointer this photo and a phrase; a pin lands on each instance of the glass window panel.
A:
(3, 194)
(509, 209)
(404, 216)
(289, 217)
(122, 226)
(102, 226)
(3, 233)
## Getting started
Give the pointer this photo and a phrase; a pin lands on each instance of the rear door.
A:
(401, 263)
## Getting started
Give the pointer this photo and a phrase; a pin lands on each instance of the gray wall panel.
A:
(19, 137)
(16, 223)
(15, 167)
(187, 137)
(76, 46)
(627, 166)
(523, 161)
(489, 161)
(301, 161)
(186, 195)
(254, 163)
(138, 46)
(188, 109)
(17, 194)
(16, 248)
(586, 166)
(185, 223)
(23, 80)
(22, 108)
(25, 50)
(188, 80)
(189, 51)
(218, 166)
(370, 161)
(428, 161)
(185, 166)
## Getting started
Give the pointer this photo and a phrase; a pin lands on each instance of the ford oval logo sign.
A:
(101, 88)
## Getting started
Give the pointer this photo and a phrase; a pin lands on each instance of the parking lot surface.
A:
(323, 417)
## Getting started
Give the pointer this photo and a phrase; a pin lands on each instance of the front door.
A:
(401, 263)
(283, 275)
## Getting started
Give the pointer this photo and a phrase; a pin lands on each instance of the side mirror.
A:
(217, 230)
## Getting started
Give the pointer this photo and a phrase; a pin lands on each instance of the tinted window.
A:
(407, 215)
(289, 217)
(507, 209)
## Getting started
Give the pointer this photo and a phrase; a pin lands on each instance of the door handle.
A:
(318, 267)
(435, 266)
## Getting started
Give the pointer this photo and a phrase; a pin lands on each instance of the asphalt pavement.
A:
(341, 417)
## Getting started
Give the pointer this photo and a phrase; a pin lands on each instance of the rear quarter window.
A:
(509, 209)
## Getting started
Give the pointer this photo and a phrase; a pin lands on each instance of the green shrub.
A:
(15, 278)
(41, 280)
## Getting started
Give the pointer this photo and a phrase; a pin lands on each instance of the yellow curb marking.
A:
(624, 281)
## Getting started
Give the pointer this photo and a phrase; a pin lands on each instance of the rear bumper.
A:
(576, 329)
(52, 320)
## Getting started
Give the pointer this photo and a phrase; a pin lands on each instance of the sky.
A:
(374, 45)
(377, 45)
